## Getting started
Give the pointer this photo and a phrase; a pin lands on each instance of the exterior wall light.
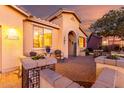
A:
(105, 43)
(12, 34)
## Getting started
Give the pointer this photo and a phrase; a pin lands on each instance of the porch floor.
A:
(79, 69)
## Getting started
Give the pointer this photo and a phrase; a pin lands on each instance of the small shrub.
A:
(38, 57)
(112, 57)
(105, 48)
(87, 51)
(116, 47)
(90, 49)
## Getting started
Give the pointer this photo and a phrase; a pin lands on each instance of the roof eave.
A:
(63, 11)
(83, 32)
(20, 10)
(31, 20)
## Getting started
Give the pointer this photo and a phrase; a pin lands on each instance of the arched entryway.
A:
(72, 45)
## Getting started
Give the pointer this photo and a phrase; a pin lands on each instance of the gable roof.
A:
(42, 22)
(60, 11)
(80, 27)
(20, 10)
(33, 18)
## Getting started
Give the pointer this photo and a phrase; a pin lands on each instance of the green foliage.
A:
(113, 57)
(38, 57)
(111, 24)
(87, 51)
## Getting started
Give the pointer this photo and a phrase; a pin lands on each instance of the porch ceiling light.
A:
(12, 34)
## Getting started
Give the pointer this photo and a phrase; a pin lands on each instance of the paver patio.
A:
(79, 69)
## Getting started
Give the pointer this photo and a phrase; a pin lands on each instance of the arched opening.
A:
(72, 45)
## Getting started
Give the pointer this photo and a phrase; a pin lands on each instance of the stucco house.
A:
(20, 33)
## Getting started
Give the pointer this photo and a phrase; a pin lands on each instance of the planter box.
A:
(110, 61)
(120, 62)
(28, 63)
(51, 60)
(31, 71)
(41, 62)
(100, 59)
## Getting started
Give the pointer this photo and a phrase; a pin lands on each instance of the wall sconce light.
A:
(12, 34)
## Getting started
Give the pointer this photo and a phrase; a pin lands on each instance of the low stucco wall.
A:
(0, 49)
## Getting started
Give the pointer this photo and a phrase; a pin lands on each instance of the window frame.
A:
(33, 36)
(51, 35)
(79, 41)
(42, 27)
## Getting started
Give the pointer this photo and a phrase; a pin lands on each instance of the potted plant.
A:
(37, 57)
(48, 49)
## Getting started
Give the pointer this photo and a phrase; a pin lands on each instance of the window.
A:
(47, 37)
(81, 42)
(42, 37)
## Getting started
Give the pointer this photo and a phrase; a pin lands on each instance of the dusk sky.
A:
(88, 13)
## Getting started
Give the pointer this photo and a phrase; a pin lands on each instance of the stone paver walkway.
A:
(80, 69)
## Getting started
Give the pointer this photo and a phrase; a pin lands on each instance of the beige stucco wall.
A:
(28, 37)
(70, 23)
(67, 23)
(0, 49)
(59, 21)
(11, 49)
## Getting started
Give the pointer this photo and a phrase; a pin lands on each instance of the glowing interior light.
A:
(12, 34)
(105, 42)
(36, 33)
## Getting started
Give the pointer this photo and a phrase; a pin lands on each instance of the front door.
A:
(72, 45)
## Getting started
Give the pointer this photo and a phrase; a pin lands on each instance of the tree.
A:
(111, 24)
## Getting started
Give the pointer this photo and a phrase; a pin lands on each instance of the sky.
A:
(87, 13)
